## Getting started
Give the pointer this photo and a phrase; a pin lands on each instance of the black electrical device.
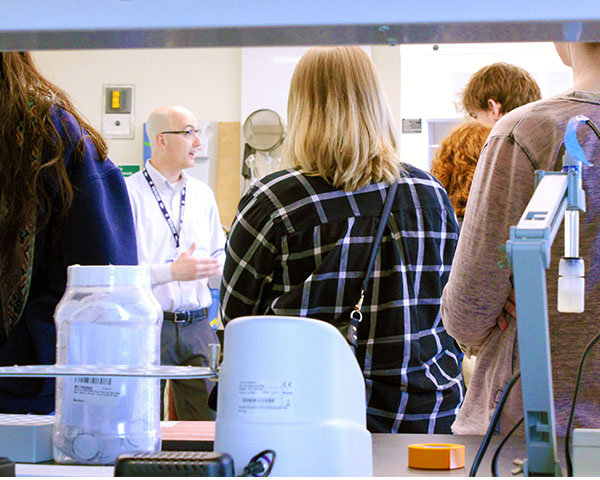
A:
(175, 464)
(7, 467)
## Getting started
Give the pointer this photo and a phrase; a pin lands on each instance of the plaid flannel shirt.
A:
(300, 247)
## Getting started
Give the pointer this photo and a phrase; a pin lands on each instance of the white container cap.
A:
(108, 275)
(571, 267)
(586, 437)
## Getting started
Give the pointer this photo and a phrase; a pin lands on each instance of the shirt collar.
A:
(162, 184)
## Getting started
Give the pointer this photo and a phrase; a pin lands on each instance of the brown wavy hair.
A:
(340, 125)
(507, 84)
(34, 183)
(455, 161)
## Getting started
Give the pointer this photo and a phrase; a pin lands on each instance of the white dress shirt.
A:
(155, 242)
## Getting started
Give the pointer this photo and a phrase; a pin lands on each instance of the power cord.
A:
(493, 423)
(593, 127)
(260, 465)
(499, 449)
(574, 403)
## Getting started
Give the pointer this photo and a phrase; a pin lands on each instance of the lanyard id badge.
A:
(176, 234)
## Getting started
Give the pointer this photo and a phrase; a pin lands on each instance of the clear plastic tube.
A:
(572, 234)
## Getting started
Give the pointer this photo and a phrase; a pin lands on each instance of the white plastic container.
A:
(107, 316)
(571, 285)
(294, 386)
(586, 452)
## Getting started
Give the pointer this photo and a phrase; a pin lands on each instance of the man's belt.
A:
(189, 316)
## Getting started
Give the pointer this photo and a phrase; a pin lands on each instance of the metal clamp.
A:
(214, 356)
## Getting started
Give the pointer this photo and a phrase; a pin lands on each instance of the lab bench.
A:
(390, 453)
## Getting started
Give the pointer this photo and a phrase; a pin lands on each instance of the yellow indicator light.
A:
(116, 99)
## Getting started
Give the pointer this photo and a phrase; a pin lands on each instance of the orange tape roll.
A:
(436, 456)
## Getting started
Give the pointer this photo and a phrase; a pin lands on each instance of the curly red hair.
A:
(455, 161)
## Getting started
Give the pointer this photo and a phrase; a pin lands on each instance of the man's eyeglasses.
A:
(188, 132)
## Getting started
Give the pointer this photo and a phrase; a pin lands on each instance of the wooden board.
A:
(228, 172)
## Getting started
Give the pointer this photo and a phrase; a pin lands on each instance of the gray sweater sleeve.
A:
(478, 288)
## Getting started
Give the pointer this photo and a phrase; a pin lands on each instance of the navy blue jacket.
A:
(98, 230)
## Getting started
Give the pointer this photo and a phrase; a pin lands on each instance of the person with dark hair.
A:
(62, 202)
(300, 242)
(496, 89)
(455, 161)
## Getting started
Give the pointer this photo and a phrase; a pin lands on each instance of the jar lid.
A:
(108, 275)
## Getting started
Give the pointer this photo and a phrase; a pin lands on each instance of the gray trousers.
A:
(186, 344)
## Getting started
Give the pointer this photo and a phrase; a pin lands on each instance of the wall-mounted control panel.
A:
(117, 113)
(207, 155)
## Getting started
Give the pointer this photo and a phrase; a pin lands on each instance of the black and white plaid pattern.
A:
(300, 247)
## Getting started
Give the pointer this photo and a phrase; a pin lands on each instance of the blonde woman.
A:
(301, 241)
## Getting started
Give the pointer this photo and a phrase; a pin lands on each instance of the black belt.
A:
(190, 316)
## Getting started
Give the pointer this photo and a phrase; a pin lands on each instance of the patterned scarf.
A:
(15, 290)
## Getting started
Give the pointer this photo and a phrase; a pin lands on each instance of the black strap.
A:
(387, 208)
(176, 234)
(356, 314)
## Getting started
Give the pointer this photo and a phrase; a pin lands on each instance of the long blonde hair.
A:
(340, 126)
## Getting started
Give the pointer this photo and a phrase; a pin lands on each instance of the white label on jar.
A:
(265, 397)
(104, 391)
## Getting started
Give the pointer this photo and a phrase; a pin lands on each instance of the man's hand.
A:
(186, 267)
(510, 308)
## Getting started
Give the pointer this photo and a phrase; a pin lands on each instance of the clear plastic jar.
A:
(107, 316)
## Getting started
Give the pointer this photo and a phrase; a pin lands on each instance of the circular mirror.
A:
(264, 130)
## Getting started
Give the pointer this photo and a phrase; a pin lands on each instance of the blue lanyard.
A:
(163, 209)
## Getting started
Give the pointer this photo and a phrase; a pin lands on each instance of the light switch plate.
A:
(118, 119)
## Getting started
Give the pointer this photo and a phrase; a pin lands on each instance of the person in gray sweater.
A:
(475, 302)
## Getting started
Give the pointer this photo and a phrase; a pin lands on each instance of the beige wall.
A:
(205, 80)
(387, 59)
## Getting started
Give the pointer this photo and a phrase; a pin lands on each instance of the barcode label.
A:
(99, 391)
(94, 380)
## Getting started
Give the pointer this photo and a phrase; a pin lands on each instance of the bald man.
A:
(179, 235)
